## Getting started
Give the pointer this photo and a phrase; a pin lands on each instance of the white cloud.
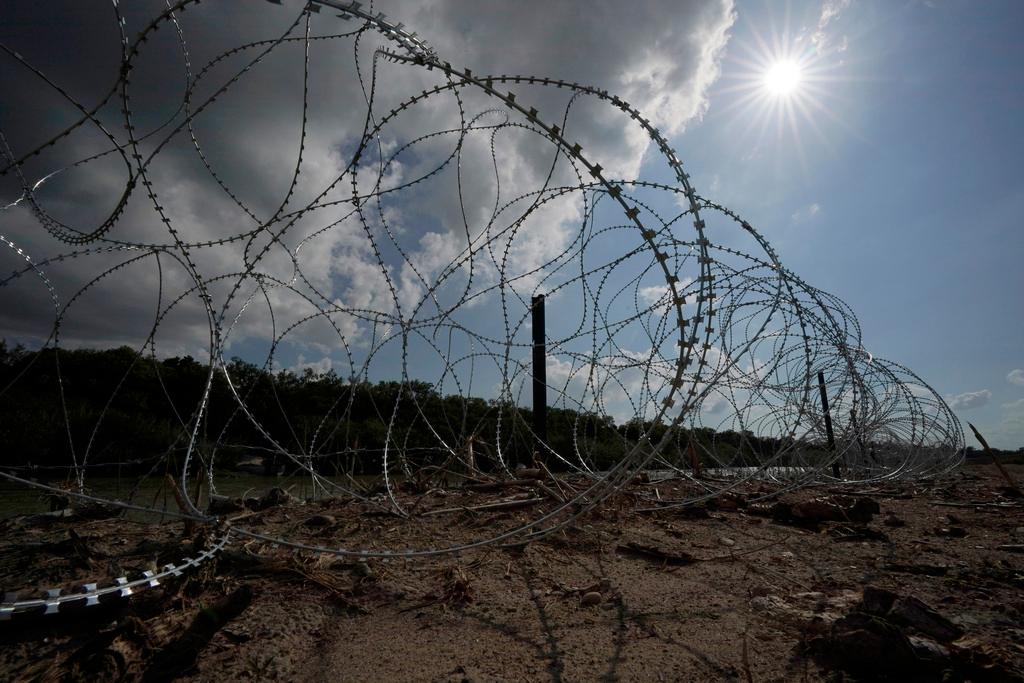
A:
(830, 11)
(319, 367)
(1008, 433)
(806, 213)
(653, 294)
(969, 400)
(1015, 376)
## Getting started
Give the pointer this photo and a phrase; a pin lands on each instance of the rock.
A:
(984, 662)
(912, 612)
(865, 646)
(864, 509)
(818, 510)
(877, 601)
(224, 505)
(927, 649)
(320, 520)
(590, 599)
(811, 612)
(272, 498)
(893, 637)
(908, 611)
(825, 509)
(770, 604)
(728, 542)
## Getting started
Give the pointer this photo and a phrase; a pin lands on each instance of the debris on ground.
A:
(805, 585)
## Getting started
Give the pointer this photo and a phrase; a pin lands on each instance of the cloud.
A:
(662, 58)
(328, 287)
(319, 367)
(830, 11)
(806, 213)
(1008, 433)
(969, 400)
(1015, 376)
(653, 294)
(715, 405)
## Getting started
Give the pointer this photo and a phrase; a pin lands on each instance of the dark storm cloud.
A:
(661, 56)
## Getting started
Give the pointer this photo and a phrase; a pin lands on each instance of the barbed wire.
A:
(674, 317)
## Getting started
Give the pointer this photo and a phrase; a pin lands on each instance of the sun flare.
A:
(781, 86)
(782, 77)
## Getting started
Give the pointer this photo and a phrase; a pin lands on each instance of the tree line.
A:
(119, 410)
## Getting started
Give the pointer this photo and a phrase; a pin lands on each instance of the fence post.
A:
(540, 380)
(828, 422)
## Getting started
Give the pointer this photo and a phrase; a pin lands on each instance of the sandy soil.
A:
(732, 591)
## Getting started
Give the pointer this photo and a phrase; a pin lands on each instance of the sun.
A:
(782, 85)
(782, 77)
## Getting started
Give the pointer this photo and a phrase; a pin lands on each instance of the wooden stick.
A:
(550, 493)
(190, 525)
(495, 485)
(1002, 470)
(694, 460)
(558, 484)
(500, 505)
(978, 504)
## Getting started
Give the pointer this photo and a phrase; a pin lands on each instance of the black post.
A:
(540, 378)
(828, 422)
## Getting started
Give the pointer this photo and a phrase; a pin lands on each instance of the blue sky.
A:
(899, 187)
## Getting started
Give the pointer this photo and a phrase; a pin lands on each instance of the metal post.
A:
(828, 422)
(540, 380)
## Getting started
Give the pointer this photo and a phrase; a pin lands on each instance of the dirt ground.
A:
(901, 581)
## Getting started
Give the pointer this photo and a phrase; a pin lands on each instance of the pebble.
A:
(728, 542)
(591, 598)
